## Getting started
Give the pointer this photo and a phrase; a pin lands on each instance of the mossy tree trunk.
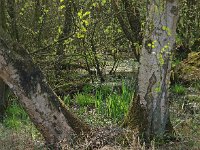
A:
(149, 110)
(51, 117)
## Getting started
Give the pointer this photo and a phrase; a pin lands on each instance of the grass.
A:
(196, 85)
(178, 89)
(16, 116)
(106, 103)
(17, 132)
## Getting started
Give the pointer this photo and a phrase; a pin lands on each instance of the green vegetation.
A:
(17, 131)
(196, 85)
(107, 103)
(101, 106)
(178, 89)
(81, 46)
(16, 116)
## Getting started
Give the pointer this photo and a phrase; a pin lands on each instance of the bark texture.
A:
(3, 86)
(149, 111)
(3, 99)
(46, 110)
(11, 4)
(2, 14)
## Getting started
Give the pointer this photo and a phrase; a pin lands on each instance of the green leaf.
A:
(83, 29)
(61, 7)
(119, 30)
(79, 35)
(103, 2)
(80, 14)
(59, 30)
(86, 13)
(149, 45)
(164, 28)
(85, 22)
(95, 4)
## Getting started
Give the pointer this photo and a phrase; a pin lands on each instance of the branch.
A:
(52, 44)
(133, 16)
(124, 27)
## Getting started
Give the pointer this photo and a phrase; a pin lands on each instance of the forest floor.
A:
(101, 108)
(18, 133)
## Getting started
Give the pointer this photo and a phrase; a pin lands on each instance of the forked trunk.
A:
(149, 110)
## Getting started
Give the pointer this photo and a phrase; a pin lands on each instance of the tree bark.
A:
(2, 14)
(149, 110)
(49, 114)
(3, 86)
(96, 60)
(12, 14)
(3, 99)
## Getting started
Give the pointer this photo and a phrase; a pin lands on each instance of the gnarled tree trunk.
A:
(149, 111)
(51, 117)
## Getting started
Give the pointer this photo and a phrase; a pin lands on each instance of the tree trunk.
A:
(3, 99)
(149, 110)
(3, 86)
(12, 14)
(66, 31)
(2, 14)
(51, 117)
(96, 60)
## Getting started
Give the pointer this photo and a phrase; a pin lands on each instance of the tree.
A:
(3, 86)
(49, 114)
(13, 19)
(131, 27)
(3, 99)
(149, 110)
(66, 31)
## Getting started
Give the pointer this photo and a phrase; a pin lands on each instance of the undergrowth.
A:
(106, 106)
(17, 132)
(104, 101)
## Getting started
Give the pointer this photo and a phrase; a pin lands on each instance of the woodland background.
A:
(88, 51)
